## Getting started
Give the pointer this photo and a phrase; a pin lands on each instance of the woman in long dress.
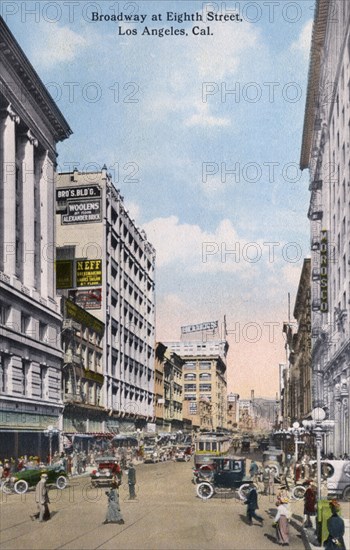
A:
(336, 529)
(113, 511)
(281, 521)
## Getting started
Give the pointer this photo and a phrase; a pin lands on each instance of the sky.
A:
(202, 135)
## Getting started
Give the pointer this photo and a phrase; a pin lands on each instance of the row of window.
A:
(193, 387)
(193, 376)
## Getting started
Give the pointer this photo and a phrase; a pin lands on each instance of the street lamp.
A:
(318, 415)
(50, 432)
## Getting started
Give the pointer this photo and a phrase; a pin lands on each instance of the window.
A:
(190, 397)
(205, 387)
(205, 365)
(42, 331)
(190, 387)
(192, 408)
(25, 322)
(4, 313)
(205, 376)
(190, 376)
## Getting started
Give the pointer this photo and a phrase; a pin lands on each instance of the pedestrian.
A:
(272, 481)
(336, 529)
(42, 500)
(310, 498)
(116, 471)
(252, 505)
(282, 521)
(113, 511)
(266, 479)
(131, 481)
(253, 470)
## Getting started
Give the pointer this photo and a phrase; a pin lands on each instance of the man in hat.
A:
(42, 500)
(131, 481)
(252, 505)
(336, 529)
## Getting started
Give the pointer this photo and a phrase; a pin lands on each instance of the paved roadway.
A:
(166, 515)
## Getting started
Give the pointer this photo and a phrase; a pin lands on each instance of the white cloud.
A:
(198, 251)
(56, 45)
(303, 43)
(203, 118)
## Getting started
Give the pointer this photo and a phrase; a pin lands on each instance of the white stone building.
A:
(30, 320)
(326, 152)
(106, 265)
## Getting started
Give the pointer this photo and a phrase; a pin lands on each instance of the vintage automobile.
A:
(226, 475)
(106, 469)
(273, 458)
(151, 454)
(21, 481)
(183, 453)
(337, 475)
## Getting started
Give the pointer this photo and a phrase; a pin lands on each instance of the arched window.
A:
(205, 376)
(190, 376)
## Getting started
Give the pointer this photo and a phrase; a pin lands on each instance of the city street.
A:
(167, 514)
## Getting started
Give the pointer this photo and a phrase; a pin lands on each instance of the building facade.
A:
(232, 411)
(325, 152)
(106, 266)
(298, 397)
(204, 381)
(30, 319)
(82, 371)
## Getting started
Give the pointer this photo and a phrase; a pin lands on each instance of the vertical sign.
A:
(324, 271)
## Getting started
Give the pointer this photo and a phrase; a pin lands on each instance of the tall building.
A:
(325, 152)
(298, 341)
(106, 266)
(204, 375)
(30, 319)
(168, 389)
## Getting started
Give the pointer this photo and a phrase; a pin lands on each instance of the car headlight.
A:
(14, 479)
(97, 474)
(108, 474)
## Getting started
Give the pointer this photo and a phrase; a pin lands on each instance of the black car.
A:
(228, 474)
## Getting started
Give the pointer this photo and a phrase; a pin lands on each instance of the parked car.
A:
(183, 453)
(21, 481)
(151, 454)
(106, 469)
(337, 474)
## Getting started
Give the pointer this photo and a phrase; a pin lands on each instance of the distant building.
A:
(106, 266)
(298, 339)
(204, 376)
(30, 321)
(232, 411)
(325, 152)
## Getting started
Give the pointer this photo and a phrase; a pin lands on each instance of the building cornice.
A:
(13, 53)
(317, 44)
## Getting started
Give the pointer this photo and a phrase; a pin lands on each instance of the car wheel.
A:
(346, 494)
(6, 487)
(244, 490)
(61, 482)
(298, 492)
(205, 490)
(21, 487)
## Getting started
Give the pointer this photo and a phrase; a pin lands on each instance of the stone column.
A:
(47, 227)
(28, 142)
(8, 121)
